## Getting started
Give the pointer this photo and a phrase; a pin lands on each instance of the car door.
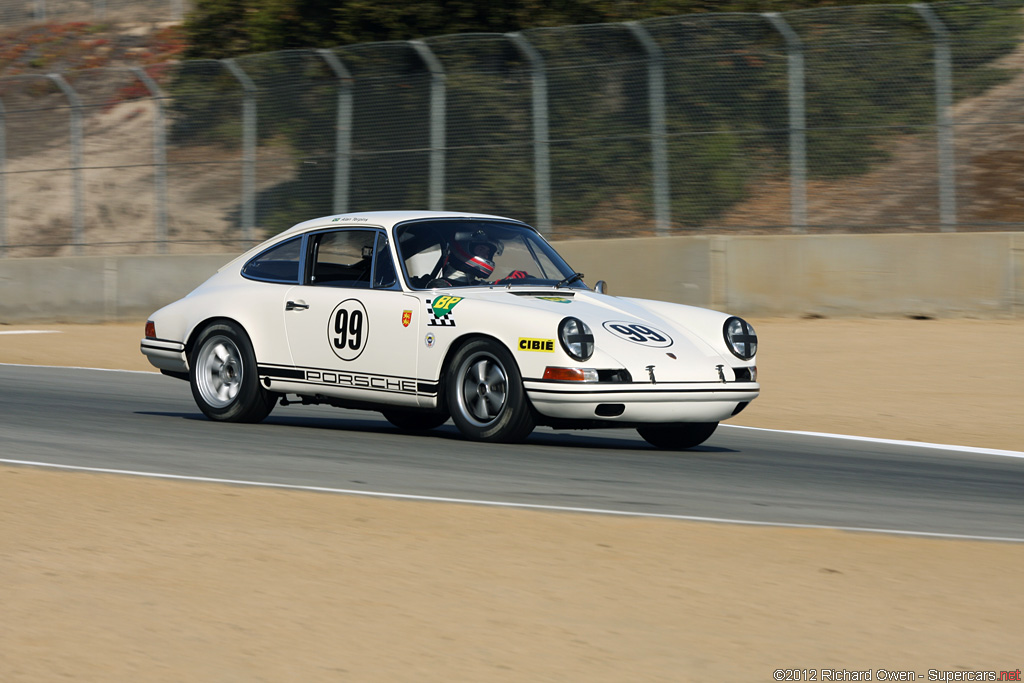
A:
(349, 325)
(271, 274)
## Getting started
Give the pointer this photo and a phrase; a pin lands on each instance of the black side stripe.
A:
(280, 373)
(277, 372)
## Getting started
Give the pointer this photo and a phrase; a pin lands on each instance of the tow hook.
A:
(721, 373)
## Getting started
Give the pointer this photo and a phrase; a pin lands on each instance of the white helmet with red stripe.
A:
(475, 255)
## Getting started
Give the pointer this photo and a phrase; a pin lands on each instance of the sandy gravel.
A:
(109, 578)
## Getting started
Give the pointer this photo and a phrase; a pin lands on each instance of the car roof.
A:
(385, 219)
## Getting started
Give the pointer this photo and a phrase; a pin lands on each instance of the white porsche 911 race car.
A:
(426, 316)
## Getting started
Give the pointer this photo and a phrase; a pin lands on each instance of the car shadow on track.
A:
(618, 439)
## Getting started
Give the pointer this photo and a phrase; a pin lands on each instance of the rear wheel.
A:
(677, 436)
(414, 421)
(485, 394)
(225, 383)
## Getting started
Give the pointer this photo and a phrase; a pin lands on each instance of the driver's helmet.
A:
(475, 256)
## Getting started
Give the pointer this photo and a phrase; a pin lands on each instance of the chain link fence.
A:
(854, 119)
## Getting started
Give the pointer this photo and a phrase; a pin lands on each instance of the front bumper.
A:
(165, 354)
(641, 402)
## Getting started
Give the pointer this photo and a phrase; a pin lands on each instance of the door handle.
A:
(295, 306)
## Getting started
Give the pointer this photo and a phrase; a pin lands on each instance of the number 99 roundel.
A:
(348, 329)
(638, 333)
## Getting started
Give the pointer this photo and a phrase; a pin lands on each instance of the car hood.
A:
(683, 343)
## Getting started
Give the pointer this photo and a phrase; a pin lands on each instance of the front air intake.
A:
(745, 374)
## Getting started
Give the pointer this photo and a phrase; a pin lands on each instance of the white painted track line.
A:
(890, 442)
(30, 332)
(78, 367)
(521, 506)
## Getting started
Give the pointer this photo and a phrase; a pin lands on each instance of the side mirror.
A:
(601, 287)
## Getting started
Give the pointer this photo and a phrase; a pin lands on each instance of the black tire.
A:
(223, 376)
(677, 436)
(485, 394)
(415, 420)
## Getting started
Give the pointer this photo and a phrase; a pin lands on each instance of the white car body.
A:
(656, 363)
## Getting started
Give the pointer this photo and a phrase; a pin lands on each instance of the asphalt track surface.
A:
(143, 422)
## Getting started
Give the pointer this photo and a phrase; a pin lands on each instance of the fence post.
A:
(797, 123)
(944, 118)
(342, 132)
(541, 140)
(77, 210)
(437, 123)
(656, 106)
(159, 158)
(248, 148)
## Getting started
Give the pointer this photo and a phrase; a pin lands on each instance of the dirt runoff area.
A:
(111, 578)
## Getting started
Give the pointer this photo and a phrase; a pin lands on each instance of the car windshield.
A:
(464, 253)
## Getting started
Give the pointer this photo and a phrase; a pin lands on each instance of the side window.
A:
(384, 275)
(343, 258)
(278, 264)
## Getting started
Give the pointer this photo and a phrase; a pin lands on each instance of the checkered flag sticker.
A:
(435, 320)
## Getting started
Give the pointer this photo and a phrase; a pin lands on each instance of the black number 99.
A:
(348, 325)
(638, 333)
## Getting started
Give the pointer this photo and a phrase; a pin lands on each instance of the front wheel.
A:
(485, 394)
(677, 436)
(225, 383)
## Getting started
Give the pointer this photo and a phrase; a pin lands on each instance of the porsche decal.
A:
(350, 380)
(360, 381)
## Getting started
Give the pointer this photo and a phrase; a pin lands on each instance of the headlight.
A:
(576, 338)
(740, 338)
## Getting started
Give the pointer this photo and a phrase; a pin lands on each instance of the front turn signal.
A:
(570, 374)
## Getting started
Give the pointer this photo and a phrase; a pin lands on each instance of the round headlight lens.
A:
(740, 338)
(576, 338)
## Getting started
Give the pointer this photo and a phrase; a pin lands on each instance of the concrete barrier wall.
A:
(98, 289)
(935, 275)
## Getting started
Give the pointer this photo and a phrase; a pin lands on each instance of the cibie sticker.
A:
(545, 345)
(348, 329)
(638, 333)
(439, 311)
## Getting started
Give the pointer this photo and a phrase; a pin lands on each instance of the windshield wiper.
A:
(565, 282)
